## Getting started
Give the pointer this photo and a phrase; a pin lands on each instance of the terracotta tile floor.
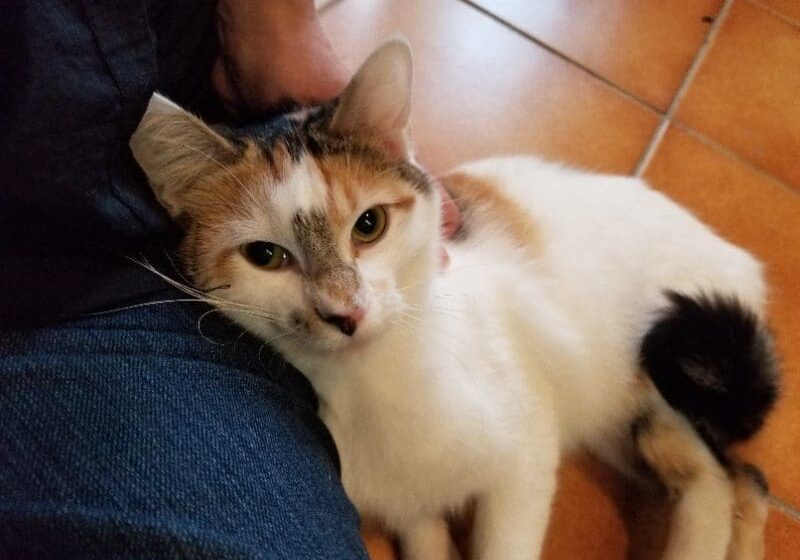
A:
(700, 97)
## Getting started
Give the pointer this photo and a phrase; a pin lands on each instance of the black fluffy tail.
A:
(713, 361)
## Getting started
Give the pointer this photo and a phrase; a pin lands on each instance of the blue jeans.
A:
(155, 432)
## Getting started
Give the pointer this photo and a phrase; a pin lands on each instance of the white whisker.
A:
(201, 295)
(176, 268)
(280, 336)
(143, 304)
(200, 327)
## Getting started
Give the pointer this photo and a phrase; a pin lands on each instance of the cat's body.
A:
(574, 307)
(521, 353)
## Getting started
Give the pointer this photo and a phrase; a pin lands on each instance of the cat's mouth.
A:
(336, 333)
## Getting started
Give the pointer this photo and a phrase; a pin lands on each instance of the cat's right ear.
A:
(175, 148)
(376, 105)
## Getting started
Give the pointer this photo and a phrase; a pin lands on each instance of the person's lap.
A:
(141, 433)
(131, 434)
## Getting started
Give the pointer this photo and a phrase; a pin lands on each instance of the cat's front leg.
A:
(427, 539)
(512, 517)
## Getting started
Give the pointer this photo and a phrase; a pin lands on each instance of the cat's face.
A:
(321, 237)
(332, 249)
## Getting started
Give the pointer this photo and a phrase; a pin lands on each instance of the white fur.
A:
(504, 363)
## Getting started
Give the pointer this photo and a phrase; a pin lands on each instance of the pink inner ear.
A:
(390, 133)
(384, 126)
(395, 145)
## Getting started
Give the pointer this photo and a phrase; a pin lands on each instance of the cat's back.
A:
(603, 235)
(594, 256)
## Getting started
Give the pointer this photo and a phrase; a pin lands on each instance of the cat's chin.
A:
(329, 344)
(343, 343)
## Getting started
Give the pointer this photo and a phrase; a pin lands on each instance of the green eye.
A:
(266, 255)
(370, 225)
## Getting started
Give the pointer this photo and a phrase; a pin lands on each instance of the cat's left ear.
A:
(376, 105)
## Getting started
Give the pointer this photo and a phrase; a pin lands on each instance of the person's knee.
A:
(151, 442)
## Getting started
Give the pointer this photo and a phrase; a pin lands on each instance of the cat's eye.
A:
(266, 255)
(370, 225)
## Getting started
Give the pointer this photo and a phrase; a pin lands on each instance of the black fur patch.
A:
(284, 130)
(713, 361)
(307, 132)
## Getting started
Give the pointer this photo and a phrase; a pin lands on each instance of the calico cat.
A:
(579, 312)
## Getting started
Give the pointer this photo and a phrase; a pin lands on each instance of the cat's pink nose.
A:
(346, 323)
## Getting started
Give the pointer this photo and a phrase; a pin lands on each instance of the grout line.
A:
(730, 154)
(788, 19)
(784, 508)
(652, 146)
(666, 117)
(694, 68)
(521, 32)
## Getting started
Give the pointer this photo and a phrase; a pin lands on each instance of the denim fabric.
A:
(76, 78)
(131, 434)
(158, 432)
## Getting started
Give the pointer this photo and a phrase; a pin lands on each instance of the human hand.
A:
(274, 52)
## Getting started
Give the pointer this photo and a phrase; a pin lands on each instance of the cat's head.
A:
(327, 231)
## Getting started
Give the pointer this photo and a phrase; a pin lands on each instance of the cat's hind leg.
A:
(749, 514)
(714, 505)
(703, 513)
(711, 359)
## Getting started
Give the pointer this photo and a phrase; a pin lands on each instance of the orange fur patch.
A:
(217, 199)
(347, 177)
(482, 203)
(672, 452)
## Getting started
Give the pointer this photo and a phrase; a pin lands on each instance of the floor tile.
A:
(763, 216)
(788, 8)
(643, 47)
(745, 95)
(600, 516)
(589, 514)
(481, 89)
(782, 537)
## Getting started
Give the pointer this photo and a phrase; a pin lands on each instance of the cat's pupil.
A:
(367, 222)
(260, 252)
(370, 225)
